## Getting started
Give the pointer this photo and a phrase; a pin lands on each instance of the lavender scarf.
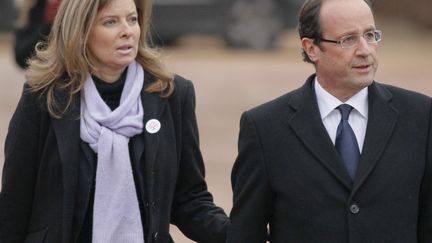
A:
(116, 214)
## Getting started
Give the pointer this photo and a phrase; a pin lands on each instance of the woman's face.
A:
(114, 37)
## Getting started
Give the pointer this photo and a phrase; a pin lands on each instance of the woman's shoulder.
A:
(183, 94)
(182, 83)
(31, 97)
(30, 108)
(183, 86)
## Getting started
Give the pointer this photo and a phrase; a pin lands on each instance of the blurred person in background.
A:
(8, 15)
(103, 146)
(341, 159)
(35, 20)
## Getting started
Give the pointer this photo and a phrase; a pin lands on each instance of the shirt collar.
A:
(327, 102)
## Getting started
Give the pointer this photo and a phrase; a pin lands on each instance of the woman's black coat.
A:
(44, 199)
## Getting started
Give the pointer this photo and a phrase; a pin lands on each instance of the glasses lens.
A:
(378, 35)
(370, 36)
(349, 41)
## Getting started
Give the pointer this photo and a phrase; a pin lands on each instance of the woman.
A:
(103, 146)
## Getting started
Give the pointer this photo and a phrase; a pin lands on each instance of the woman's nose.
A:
(126, 29)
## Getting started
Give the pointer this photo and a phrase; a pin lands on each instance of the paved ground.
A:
(228, 82)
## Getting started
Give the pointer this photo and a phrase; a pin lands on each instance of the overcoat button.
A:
(354, 209)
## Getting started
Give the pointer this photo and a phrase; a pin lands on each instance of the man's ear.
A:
(310, 49)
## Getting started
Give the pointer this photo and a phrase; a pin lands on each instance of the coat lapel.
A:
(381, 123)
(68, 139)
(153, 105)
(307, 124)
(145, 146)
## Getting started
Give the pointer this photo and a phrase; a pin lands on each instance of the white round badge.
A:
(153, 126)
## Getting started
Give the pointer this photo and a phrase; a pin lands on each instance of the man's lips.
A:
(363, 67)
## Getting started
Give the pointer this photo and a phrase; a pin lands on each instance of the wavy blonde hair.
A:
(64, 62)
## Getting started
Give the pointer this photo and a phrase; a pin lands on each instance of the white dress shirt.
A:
(331, 117)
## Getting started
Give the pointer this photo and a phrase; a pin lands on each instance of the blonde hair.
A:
(64, 62)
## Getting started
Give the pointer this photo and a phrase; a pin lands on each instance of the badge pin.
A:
(153, 126)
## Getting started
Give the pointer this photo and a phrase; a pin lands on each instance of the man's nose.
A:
(364, 48)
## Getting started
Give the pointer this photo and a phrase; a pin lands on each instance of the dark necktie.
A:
(346, 142)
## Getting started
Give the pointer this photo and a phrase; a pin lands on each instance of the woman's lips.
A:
(125, 49)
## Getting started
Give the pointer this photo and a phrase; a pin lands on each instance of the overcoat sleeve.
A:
(22, 150)
(252, 200)
(425, 207)
(193, 210)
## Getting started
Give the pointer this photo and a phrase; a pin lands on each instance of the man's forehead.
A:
(346, 15)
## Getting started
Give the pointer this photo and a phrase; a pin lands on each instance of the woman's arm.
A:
(194, 211)
(20, 169)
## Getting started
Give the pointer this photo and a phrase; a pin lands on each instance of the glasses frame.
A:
(377, 33)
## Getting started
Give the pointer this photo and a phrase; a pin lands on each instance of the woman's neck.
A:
(108, 76)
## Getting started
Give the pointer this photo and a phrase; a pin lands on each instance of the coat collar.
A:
(306, 123)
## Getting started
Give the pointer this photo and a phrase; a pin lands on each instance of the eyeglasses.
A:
(371, 37)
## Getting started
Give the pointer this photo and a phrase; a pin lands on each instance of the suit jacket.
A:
(289, 177)
(43, 198)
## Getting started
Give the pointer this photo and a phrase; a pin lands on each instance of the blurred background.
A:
(240, 53)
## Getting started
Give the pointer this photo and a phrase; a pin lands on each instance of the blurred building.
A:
(242, 23)
(418, 12)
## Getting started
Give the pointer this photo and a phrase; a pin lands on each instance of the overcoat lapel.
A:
(307, 124)
(153, 106)
(147, 144)
(381, 123)
(68, 140)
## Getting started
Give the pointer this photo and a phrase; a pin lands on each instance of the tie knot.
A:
(345, 111)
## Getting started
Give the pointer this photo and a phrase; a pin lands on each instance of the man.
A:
(341, 159)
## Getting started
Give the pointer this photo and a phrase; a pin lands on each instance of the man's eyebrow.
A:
(356, 32)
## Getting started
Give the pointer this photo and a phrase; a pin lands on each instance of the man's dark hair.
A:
(309, 25)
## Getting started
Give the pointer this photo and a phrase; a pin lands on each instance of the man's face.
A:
(345, 71)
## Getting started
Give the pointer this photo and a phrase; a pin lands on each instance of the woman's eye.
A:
(109, 22)
(133, 19)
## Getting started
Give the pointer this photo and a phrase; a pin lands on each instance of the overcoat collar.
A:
(306, 123)
(67, 130)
